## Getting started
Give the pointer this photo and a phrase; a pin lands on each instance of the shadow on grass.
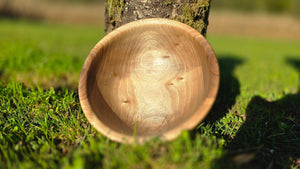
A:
(229, 89)
(270, 136)
(1, 74)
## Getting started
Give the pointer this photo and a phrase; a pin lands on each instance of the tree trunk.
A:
(191, 12)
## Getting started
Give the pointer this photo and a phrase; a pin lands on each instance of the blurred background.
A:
(69, 11)
(271, 18)
(267, 18)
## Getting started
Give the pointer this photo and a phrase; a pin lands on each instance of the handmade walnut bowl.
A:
(149, 78)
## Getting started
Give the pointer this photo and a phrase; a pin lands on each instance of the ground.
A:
(254, 122)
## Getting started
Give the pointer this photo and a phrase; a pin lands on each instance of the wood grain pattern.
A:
(155, 76)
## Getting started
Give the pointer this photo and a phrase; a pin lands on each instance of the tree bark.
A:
(191, 12)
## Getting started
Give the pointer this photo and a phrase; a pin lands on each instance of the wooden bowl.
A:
(152, 77)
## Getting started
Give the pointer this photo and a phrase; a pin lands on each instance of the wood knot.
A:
(113, 74)
(125, 101)
(166, 57)
(180, 78)
(170, 84)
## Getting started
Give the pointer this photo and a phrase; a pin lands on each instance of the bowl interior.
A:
(149, 79)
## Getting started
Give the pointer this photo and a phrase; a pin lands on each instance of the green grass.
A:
(254, 123)
(45, 54)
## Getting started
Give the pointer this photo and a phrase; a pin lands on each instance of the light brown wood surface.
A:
(152, 77)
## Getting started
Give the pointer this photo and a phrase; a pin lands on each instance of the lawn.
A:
(254, 123)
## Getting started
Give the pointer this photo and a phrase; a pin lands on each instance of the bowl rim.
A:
(189, 124)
